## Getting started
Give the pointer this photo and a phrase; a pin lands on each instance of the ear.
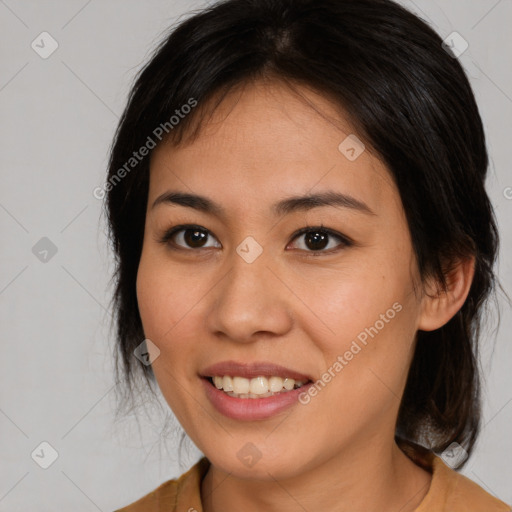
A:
(440, 306)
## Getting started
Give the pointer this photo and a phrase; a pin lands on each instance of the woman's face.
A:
(247, 289)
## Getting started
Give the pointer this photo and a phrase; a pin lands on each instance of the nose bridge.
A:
(250, 298)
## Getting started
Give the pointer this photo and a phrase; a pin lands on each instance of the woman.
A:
(304, 244)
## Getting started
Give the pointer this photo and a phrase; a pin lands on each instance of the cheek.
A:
(164, 296)
(162, 301)
(367, 315)
(346, 301)
(150, 292)
(168, 302)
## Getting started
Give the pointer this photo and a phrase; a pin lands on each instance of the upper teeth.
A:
(256, 386)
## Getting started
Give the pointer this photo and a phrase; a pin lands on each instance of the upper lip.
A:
(251, 370)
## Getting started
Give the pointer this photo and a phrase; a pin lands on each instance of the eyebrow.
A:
(283, 207)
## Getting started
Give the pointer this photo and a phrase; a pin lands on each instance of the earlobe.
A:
(440, 306)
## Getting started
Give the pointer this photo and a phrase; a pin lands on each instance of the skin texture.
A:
(205, 305)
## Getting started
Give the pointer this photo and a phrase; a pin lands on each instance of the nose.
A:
(250, 302)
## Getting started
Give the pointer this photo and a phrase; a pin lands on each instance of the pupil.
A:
(317, 239)
(195, 237)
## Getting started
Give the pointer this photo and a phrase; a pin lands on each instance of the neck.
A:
(370, 478)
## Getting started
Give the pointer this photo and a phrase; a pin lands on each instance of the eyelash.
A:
(345, 241)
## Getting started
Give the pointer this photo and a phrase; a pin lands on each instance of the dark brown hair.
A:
(411, 103)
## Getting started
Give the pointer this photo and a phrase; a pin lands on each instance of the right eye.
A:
(187, 236)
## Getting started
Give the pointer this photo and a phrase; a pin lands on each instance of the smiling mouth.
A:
(257, 387)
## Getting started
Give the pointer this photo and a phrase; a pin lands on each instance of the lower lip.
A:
(249, 409)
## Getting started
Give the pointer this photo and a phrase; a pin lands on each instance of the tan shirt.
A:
(449, 492)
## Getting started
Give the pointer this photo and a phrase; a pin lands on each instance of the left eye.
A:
(317, 239)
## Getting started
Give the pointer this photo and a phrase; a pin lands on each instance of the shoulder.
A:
(155, 500)
(167, 496)
(465, 495)
(451, 491)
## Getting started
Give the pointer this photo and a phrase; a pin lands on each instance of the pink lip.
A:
(250, 409)
(251, 370)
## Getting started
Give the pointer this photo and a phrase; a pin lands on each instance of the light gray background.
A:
(57, 120)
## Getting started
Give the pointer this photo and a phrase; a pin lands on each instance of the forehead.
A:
(264, 142)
